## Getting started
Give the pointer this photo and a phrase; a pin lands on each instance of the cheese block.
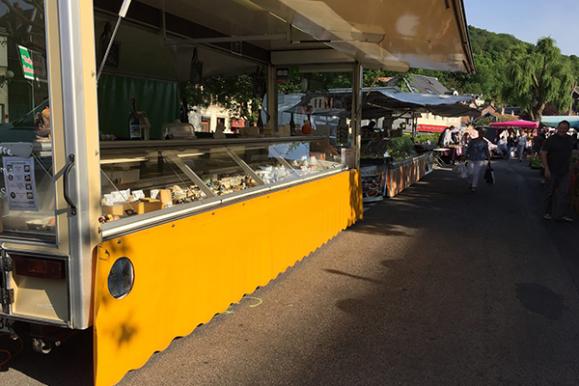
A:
(124, 209)
(114, 210)
(165, 198)
(151, 204)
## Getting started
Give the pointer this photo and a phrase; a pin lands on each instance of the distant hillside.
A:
(492, 52)
(486, 41)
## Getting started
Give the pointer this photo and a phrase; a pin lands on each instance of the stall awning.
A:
(394, 34)
(423, 128)
(521, 124)
(379, 102)
(388, 99)
(409, 99)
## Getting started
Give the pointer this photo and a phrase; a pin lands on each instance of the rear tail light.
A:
(38, 267)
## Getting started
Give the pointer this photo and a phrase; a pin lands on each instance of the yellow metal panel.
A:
(189, 270)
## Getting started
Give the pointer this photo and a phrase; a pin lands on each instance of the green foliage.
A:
(426, 137)
(242, 94)
(371, 78)
(486, 121)
(573, 61)
(539, 76)
(321, 81)
(401, 148)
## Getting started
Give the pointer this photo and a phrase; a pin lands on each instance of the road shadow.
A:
(541, 300)
(68, 365)
(447, 309)
(395, 216)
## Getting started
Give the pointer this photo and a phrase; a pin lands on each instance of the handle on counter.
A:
(67, 169)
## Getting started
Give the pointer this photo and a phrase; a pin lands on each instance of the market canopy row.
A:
(380, 102)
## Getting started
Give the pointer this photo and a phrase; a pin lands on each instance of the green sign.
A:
(27, 63)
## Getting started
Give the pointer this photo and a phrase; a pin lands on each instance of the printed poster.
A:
(20, 183)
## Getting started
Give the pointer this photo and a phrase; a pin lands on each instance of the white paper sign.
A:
(20, 183)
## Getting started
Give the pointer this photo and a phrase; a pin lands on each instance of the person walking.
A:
(521, 145)
(539, 140)
(538, 143)
(556, 156)
(502, 144)
(478, 154)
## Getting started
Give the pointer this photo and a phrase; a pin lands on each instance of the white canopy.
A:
(393, 34)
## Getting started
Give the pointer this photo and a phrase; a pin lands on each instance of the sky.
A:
(529, 20)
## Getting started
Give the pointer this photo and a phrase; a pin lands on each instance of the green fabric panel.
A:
(157, 98)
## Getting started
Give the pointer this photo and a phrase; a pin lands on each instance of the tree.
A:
(242, 95)
(538, 77)
(574, 62)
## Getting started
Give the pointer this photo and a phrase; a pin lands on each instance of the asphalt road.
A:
(437, 286)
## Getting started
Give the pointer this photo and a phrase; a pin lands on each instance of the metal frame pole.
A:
(357, 83)
(272, 100)
(109, 47)
(79, 90)
(32, 96)
(122, 14)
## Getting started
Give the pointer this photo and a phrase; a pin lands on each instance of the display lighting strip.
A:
(121, 160)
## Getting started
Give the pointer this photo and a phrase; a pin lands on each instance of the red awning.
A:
(520, 124)
(430, 128)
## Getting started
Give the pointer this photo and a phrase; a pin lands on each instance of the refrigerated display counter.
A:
(145, 183)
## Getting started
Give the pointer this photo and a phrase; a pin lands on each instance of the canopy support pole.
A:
(415, 119)
(272, 104)
(357, 83)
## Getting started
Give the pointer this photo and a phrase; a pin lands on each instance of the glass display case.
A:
(27, 192)
(269, 166)
(156, 177)
(219, 171)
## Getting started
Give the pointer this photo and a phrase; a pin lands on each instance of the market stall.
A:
(118, 219)
(403, 162)
(390, 161)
